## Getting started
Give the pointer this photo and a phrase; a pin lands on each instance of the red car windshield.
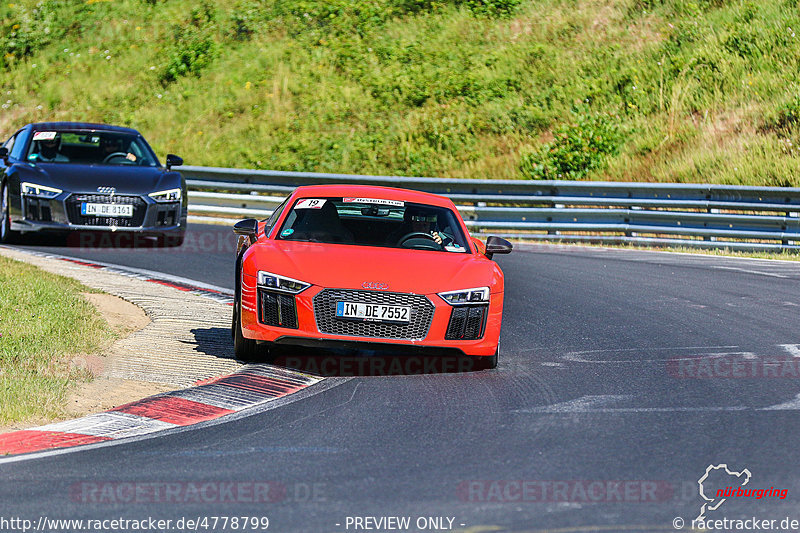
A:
(374, 222)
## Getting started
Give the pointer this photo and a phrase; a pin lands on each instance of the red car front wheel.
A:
(245, 349)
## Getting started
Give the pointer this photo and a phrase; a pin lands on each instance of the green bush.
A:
(194, 52)
(245, 20)
(417, 6)
(195, 44)
(577, 149)
(491, 8)
(338, 15)
(24, 30)
(785, 118)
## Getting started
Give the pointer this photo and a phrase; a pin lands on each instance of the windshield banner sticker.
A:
(44, 136)
(379, 201)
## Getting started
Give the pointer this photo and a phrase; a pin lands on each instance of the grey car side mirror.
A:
(173, 161)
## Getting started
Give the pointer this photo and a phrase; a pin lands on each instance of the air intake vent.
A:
(38, 210)
(467, 322)
(277, 309)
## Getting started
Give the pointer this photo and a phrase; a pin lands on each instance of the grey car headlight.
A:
(170, 195)
(41, 191)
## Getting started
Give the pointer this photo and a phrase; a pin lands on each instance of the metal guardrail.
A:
(693, 215)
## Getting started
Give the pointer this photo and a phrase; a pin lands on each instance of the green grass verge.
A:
(44, 323)
(780, 256)
(642, 90)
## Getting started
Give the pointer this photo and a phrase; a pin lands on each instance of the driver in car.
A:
(418, 221)
(50, 151)
(110, 145)
(114, 147)
(423, 223)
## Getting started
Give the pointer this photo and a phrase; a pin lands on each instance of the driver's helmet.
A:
(110, 145)
(423, 219)
(53, 144)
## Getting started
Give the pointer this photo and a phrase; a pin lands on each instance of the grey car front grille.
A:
(73, 205)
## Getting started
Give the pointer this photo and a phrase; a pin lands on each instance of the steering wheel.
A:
(420, 235)
(112, 155)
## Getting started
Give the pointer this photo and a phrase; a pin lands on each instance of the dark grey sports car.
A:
(65, 176)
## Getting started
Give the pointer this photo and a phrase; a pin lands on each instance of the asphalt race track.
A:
(623, 375)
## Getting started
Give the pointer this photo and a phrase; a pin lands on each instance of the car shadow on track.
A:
(216, 342)
(356, 363)
(97, 240)
(342, 362)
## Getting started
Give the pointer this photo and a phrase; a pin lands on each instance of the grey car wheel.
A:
(6, 235)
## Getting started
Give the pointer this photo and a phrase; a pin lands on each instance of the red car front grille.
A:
(416, 329)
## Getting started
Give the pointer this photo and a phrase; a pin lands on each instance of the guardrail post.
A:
(556, 232)
(792, 214)
(628, 232)
(709, 237)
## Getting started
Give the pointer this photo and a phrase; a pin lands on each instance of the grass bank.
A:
(640, 90)
(45, 324)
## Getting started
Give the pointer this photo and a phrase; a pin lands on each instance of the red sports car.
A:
(363, 266)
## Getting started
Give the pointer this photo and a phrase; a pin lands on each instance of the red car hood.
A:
(349, 267)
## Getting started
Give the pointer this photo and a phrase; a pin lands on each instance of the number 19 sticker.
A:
(310, 203)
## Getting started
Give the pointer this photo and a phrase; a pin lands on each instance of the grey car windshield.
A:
(90, 148)
(374, 222)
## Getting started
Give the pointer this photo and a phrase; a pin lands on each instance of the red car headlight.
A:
(477, 295)
(268, 280)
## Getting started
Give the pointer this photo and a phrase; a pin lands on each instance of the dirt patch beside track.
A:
(121, 315)
(106, 392)
(172, 337)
